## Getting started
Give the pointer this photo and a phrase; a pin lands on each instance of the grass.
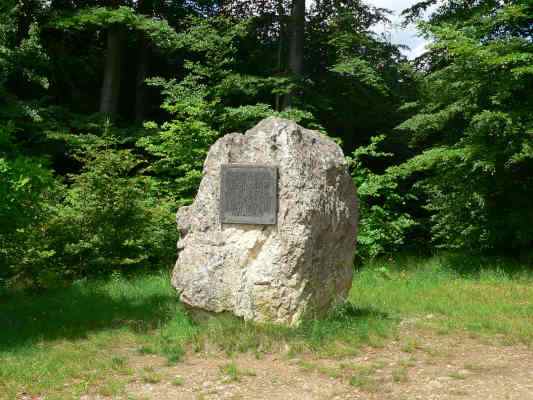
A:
(178, 381)
(411, 345)
(233, 373)
(457, 375)
(472, 367)
(308, 366)
(149, 375)
(355, 375)
(75, 340)
(400, 374)
(363, 378)
(484, 297)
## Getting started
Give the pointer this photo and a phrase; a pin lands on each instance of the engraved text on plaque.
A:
(248, 194)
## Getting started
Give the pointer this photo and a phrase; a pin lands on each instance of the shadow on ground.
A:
(71, 313)
(473, 266)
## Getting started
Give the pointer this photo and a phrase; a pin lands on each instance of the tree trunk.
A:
(296, 45)
(281, 17)
(76, 95)
(142, 70)
(112, 72)
(25, 13)
(296, 49)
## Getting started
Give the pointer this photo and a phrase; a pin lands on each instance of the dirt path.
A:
(418, 365)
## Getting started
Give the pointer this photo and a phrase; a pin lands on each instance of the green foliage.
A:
(22, 187)
(159, 31)
(361, 70)
(466, 180)
(27, 190)
(475, 111)
(180, 145)
(112, 218)
(102, 208)
(179, 149)
(384, 222)
(202, 105)
(78, 197)
(25, 59)
(357, 79)
(109, 217)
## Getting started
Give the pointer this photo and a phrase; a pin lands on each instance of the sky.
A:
(399, 35)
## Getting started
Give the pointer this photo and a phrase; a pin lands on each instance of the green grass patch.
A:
(363, 378)
(178, 381)
(150, 375)
(457, 375)
(476, 295)
(400, 374)
(72, 341)
(231, 372)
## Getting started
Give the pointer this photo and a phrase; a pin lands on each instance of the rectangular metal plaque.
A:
(248, 194)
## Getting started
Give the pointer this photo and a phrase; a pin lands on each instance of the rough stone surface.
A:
(281, 273)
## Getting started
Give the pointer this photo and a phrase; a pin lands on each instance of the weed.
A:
(364, 382)
(307, 366)
(149, 375)
(178, 381)
(361, 376)
(231, 372)
(475, 367)
(111, 388)
(329, 371)
(457, 375)
(410, 362)
(146, 350)
(173, 354)
(400, 375)
(312, 367)
(411, 345)
(118, 363)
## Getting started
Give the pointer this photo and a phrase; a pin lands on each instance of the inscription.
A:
(248, 194)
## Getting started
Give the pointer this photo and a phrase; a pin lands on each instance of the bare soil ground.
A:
(419, 364)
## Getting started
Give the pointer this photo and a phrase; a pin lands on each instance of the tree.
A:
(472, 127)
(296, 45)
(145, 8)
(112, 71)
(116, 19)
(89, 196)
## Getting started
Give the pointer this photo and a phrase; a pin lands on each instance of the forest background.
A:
(108, 108)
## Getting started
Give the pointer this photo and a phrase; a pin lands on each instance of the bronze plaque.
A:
(248, 194)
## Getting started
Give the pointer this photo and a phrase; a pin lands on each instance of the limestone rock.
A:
(281, 273)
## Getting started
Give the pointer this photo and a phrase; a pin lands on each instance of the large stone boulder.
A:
(299, 268)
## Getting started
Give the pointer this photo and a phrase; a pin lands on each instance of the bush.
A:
(384, 223)
(111, 218)
(28, 191)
